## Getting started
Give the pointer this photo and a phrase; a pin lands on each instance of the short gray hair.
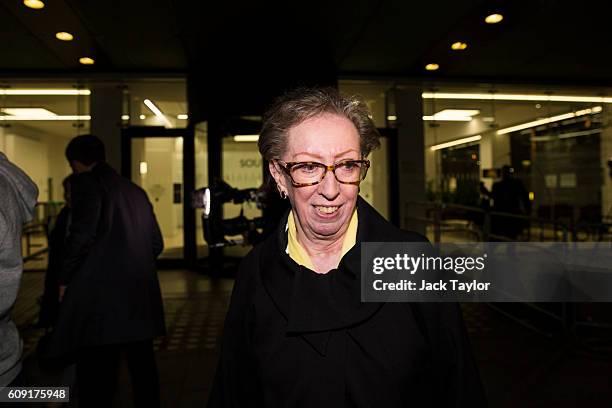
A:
(300, 104)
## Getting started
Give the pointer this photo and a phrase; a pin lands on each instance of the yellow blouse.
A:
(297, 252)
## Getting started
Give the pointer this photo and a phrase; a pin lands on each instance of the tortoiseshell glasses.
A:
(304, 174)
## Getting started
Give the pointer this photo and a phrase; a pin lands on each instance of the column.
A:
(106, 102)
(410, 157)
(606, 162)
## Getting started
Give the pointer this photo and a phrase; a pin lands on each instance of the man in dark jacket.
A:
(111, 300)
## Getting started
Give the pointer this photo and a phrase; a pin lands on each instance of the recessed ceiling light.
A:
(34, 4)
(459, 46)
(64, 36)
(494, 18)
(142, 117)
(432, 67)
(86, 61)
(182, 116)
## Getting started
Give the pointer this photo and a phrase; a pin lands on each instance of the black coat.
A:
(113, 293)
(294, 338)
(49, 304)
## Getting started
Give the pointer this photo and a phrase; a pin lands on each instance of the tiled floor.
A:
(519, 367)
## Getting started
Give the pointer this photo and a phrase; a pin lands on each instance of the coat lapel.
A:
(315, 305)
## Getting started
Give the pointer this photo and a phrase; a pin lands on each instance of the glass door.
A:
(157, 167)
(157, 164)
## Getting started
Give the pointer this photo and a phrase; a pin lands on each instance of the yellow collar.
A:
(297, 252)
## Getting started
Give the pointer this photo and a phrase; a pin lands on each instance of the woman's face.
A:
(323, 211)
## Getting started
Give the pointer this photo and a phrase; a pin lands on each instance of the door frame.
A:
(189, 221)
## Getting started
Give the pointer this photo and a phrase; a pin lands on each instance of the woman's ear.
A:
(279, 178)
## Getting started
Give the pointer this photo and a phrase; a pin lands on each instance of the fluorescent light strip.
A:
(551, 119)
(45, 92)
(450, 118)
(516, 97)
(29, 112)
(9, 118)
(456, 142)
(157, 112)
(246, 138)
(577, 134)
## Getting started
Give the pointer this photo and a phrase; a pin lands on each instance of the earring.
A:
(283, 194)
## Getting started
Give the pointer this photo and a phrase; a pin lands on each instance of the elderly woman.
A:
(296, 333)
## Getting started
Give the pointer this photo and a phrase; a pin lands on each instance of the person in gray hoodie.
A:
(18, 195)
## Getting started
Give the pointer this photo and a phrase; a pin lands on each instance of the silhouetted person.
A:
(49, 304)
(111, 304)
(510, 196)
(18, 195)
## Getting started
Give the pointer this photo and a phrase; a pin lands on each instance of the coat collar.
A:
(314, 304)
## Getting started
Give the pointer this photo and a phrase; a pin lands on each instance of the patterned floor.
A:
(519, 367)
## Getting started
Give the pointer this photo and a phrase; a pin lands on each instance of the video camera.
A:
(210, 199)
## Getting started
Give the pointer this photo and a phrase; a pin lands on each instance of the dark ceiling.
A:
(539, 40)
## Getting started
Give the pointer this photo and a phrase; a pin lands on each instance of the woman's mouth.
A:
(324, 209)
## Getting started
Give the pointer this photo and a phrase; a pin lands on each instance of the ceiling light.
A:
(516, 97)
(144, 168)
(182, 116)
(461, 115)
(34, 4)
(544, 121)
(391, 117)
(44, 92)
(86, 61)
(64, 36)
(29, 112)
(577, 134)
(142, 117)
(432, 67)
(493, 18)
(456, 142)
(56, 117)
(125, 117)
(246, 138)
(450, 119)
(458, 46)
(158, 113)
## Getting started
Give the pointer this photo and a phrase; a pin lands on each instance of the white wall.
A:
(40, 156)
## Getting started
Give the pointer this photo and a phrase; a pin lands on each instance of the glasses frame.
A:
(286, 166)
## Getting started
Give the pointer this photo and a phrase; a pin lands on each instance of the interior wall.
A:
(39, 156)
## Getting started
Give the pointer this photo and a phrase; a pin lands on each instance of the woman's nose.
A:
(329, 187)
